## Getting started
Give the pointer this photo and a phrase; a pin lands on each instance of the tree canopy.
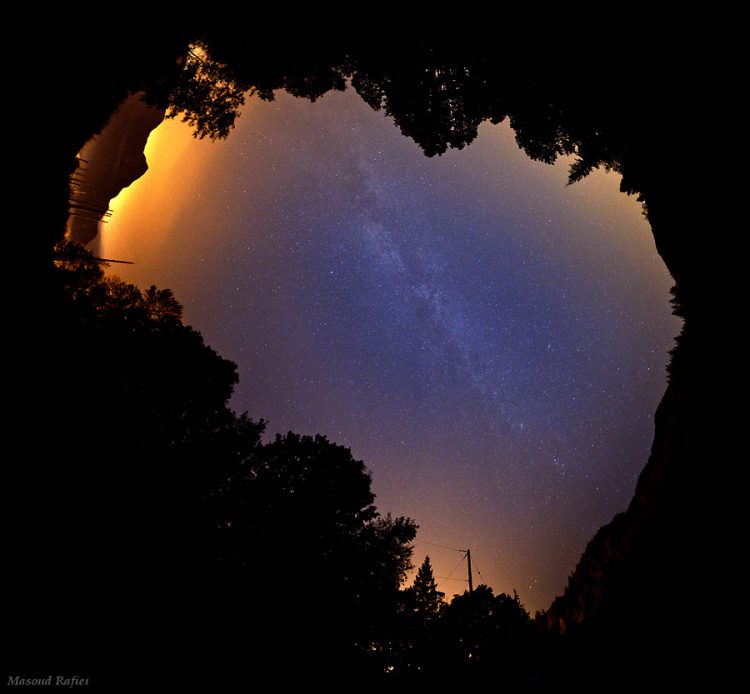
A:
(437, 92)
(282, 534)
(423, 597)
(278, 532)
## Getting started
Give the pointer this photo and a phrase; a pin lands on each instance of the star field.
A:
(489, 341)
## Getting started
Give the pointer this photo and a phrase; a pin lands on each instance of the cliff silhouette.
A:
(629, 612)
(109, 162)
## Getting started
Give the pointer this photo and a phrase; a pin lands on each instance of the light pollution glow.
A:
(208, 220)
(146, 214)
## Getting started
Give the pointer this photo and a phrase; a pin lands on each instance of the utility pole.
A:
(471, 580)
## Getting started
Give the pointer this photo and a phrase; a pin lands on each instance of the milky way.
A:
(489, 341)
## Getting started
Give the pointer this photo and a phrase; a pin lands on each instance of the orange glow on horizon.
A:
(145, 214)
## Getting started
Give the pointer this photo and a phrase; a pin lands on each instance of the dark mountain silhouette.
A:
(109, 162)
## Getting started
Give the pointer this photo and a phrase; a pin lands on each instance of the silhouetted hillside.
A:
(109, 162)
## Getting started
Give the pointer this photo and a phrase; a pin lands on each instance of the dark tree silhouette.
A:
(477, 637)
(437, 92)
(412, 649)
(487, 635)
(191, 508)
(423, 597)
(205, 94)
(147, 391)
(303, 506)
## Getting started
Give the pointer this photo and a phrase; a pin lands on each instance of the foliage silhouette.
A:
(487, 636)
(438, 92)
(423, 597)
(192, 508)
(282, 535)
(412, 647)
(205, 94)
(476, 637)
(305, 506)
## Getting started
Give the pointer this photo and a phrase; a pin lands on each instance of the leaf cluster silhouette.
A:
(438, 92)
(476, 637)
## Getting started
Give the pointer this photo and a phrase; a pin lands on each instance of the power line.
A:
(466, 555)
(435, 544)
(477, 568)
(455, 567)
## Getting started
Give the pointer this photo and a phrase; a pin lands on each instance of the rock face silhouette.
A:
(632, 589)
(109, 162)
(628, 551)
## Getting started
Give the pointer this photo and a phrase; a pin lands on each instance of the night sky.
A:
(489, 341)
